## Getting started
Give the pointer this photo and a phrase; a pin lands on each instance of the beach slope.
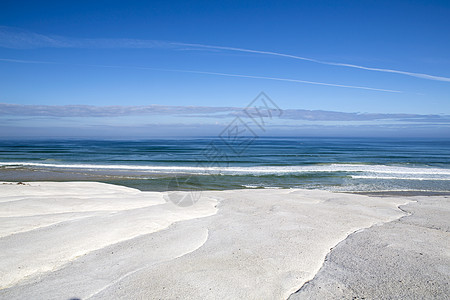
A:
(96, 241)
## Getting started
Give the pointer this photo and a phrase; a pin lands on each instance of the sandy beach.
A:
(224, 150)
(87, 240)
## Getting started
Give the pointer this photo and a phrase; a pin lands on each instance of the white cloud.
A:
(67, 111)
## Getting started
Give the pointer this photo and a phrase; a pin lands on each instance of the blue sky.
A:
(385, 58)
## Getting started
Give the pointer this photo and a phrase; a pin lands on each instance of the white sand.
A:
(46, 225)
(92, 240)
(408, 258)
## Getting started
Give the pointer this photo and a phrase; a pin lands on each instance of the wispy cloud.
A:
(21, 61)
(104, 111)
(323, 115)
(64, 111)
(21, 39)
(15, 38)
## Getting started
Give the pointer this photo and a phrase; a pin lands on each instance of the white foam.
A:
(254, 186)
(397, 178)
(261, 170)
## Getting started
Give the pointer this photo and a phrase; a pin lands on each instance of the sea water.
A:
(336, 164)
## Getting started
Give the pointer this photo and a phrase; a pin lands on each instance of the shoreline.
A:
(155, 165)
(403, 193)
(60, 177)
(249, 242)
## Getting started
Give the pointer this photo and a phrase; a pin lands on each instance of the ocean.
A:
(359, 165)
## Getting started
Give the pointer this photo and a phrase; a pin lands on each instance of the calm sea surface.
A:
(337, 164)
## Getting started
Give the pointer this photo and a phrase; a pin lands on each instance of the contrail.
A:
(21, 39)
(285, 79)
(210, 73)
(412, 74)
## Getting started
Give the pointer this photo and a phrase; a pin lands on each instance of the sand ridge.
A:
(75, 219)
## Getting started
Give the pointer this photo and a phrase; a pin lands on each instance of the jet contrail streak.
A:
(210, 73)
(412, 74)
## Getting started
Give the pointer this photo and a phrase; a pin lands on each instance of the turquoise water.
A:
(338, 164)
